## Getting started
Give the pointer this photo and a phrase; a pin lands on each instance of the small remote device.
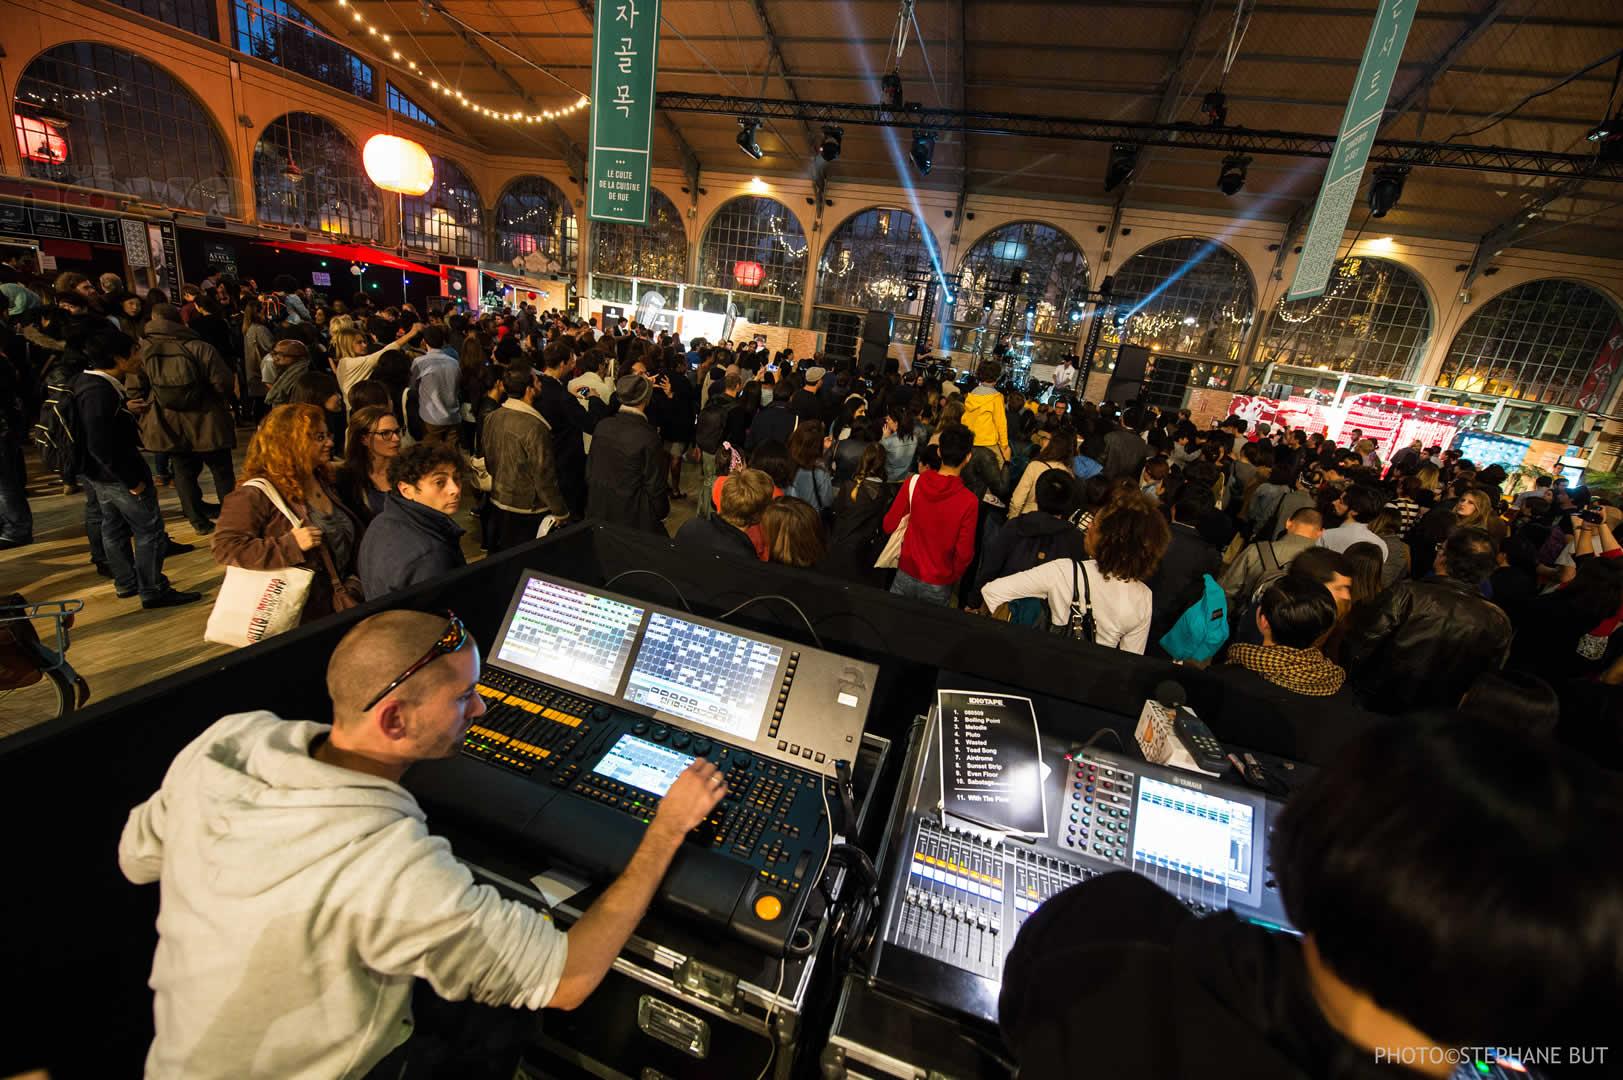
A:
(1198, 739)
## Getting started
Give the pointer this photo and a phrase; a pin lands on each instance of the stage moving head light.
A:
(923, 153)
(1386, 189)
(748, 125)
(1231, 178)
(830, 146)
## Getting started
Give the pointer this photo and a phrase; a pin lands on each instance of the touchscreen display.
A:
(1195, 833)
(567, 635)
(705, 675)
(643, 764)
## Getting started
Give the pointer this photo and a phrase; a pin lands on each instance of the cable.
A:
(1506, 114)
(626, 573)
(810, 629)
(771, 1011)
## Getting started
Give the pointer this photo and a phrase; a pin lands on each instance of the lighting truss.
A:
(1413, 153)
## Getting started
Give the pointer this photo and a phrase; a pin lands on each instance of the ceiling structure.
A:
(1483, 72)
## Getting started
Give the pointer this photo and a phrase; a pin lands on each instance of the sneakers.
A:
(6, 543)
(172, 598)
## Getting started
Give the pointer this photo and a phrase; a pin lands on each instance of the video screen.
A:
(642, 764)
(705, 675)
(566, 635)
(1194, 833)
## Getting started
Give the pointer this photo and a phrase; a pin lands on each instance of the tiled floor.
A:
(116, 644)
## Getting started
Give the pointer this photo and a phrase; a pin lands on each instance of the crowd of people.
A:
(1374, 587)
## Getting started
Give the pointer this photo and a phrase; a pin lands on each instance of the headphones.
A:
(855, 919)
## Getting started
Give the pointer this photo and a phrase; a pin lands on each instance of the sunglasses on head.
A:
(451, 640)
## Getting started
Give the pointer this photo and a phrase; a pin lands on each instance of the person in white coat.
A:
(301, 891)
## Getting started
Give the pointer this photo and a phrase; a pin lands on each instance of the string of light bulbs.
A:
(451, 93)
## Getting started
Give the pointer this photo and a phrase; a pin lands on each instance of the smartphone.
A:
(1594, 517)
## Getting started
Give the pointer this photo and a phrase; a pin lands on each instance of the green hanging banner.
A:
(625, 56)
(1365, 106)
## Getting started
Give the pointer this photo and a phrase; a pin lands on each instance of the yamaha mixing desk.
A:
(595, 703)
(958, 891)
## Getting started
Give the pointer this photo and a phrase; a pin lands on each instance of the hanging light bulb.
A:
(291, 171)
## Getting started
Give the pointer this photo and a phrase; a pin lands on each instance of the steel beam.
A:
(1444, 60)
(1411, 152)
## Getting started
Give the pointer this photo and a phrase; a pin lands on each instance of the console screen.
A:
(570, 636)
(705, 675)
(1194, 833)
(642, 764)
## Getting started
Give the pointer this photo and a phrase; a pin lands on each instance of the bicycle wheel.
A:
(51, 697)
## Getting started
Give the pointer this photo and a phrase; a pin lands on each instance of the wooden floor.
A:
(116, 644)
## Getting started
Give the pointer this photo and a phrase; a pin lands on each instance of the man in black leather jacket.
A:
(1420, 643)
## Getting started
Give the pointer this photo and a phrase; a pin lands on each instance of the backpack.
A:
(57, 433)
(711, 428)
(1202, 629)
(175, 381)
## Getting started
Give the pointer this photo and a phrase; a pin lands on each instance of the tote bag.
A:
(257, 604)
(891, 557)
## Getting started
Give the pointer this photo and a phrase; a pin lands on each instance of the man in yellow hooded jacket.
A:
(985, 411)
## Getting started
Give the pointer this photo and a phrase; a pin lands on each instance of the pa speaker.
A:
(872, 353)
(1127, 381)
(876, 327)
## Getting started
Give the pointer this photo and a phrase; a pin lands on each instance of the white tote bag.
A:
(891, 557)
(257, 604)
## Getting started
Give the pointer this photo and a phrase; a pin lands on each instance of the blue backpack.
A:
(1202, 629)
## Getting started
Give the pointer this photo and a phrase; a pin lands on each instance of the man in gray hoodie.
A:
(302, 892)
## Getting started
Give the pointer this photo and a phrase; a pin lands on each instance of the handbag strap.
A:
(270, 492)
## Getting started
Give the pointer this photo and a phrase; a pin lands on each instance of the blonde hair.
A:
(347, 342)
(1429, 478)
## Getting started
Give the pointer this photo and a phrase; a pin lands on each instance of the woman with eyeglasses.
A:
(373, 440)
(291, 456)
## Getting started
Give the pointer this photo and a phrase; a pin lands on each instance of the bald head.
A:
(377, 650)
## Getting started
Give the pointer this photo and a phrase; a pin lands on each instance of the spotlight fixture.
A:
(1215, 108)
(890, 90)
(1386, 189)
(912, 292)
(1232, 176)
(830, 147)
(1607, 130)
(923, 149)
(748, 125)
(1119, 169)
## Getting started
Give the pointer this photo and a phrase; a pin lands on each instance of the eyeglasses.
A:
(452, 640)
(391, 433)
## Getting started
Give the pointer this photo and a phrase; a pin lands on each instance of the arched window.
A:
(878, 258)
(657, 250)
(1374, 319)
(535, 227)
(1027, 280)
(1536, 342)
(308, 174)
(448, 218)
(756, 245)
(1188, 295)
(100, 117)
(193, 16)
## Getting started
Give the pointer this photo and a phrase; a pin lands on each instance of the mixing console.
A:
(964, 891)
(579, 772)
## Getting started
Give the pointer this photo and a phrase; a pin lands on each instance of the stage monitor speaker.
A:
(876, 327)
(1127, 381)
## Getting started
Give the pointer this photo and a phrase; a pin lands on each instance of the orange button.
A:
(768, 908)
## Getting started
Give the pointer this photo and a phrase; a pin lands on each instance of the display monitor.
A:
(570, 636)
(704, 675)
(1194, 833)
(642, 764)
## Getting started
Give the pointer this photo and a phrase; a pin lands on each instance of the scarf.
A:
(282, 389)
(1301, 671)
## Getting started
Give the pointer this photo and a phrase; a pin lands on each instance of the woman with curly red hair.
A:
(290, 462)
